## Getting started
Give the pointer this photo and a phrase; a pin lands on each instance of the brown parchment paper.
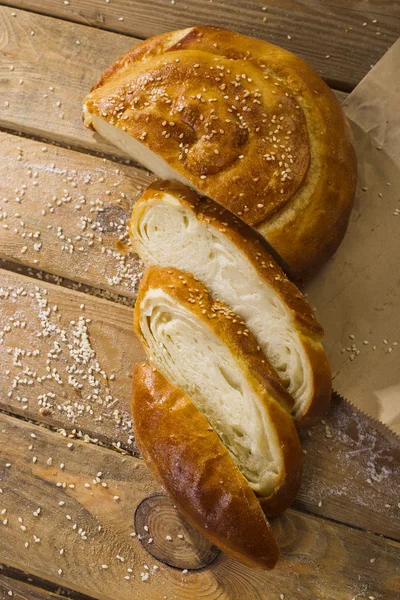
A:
(358, 291)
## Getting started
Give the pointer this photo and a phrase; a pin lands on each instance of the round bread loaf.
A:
(245, 123)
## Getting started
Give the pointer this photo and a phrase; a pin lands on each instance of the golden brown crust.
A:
(193, 295)
(249, 125)
(252, 244)
(190, 461)
(321, 383)
(248, 241)
(231, 330)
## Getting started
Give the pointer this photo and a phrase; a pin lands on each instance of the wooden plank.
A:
(351, 476)
(353, 35)
(50, 334)
(320, 559)
(65, 212)
(350, 471)
(17, 590)
(56, 74)
(64, 282)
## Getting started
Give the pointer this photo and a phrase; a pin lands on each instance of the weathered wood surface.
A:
(352, 473)
(340, 40)
(56, 73)
(351, 470)
(11, 589)
(48, 335)
(319, 559)
(65, 212)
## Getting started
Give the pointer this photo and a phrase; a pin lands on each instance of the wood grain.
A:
(350, 471)
(319, 560)
(52, 59)
(56, 74)
(22, 591)
(65, 212)
(351, 476)
(312, 29)
(84, 342)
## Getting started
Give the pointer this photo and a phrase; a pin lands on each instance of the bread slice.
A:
(192, 464)
(172, 226)
(246, 123)
(202, 347)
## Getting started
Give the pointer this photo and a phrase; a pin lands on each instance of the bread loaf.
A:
(202, 347)
(244, 122)
(188, 458)
(172, 226)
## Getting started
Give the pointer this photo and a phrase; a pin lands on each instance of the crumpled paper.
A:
(357, 293)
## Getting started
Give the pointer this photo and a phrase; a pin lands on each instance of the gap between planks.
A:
(12, 589)
(94, 398)
(319, 559)
(340, 41)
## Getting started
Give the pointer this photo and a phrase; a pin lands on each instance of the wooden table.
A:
(75, 499)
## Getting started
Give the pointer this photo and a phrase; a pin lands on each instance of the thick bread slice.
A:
(202, 347)
(172, 226)
(246, 123)
(188, 458)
